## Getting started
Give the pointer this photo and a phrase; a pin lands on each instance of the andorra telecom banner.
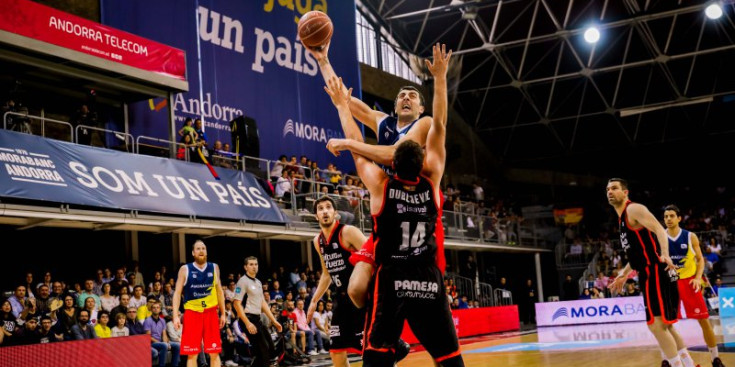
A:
(244, 58)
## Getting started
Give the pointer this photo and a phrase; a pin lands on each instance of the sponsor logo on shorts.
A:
(416, 289)
(334, 331)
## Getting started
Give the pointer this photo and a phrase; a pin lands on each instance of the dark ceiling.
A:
(657, 89)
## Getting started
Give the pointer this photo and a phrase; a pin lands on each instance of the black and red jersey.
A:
(336, 257)
(405, 230)
(641, 245)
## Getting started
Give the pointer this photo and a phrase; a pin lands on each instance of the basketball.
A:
(315, 29)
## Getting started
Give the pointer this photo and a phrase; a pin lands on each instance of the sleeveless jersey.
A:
(389, 134)
(640, 245)
(405, 229)
(682, 254)
(199, 290)
(336, 257)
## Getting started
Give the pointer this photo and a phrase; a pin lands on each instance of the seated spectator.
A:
(102, 329)
(345, 211)
(122, 308)
(278, 168)
(463, 303)
(712, 259)
(107, 300)
(303, 295)
(43, 300)
(157, 291)
(575, 250)
(28, 334)
(145, 311)
(66, 318)
(88, 292)
(602, 281)
(230, 290)
(168, 299)
(319, 322)
(585, 294)
(30, 289)
(455, 304)
(284, 187)
(82, 330)
(119, 329)
(18, 300)
(596, 293)
(276, 293)
(630, 289)
(9, 324)
(715, 246)
(302, 330)
(119, 282)
(155, 326)
(46, 334)
(138, 299)
(91, 307)
(131, 322)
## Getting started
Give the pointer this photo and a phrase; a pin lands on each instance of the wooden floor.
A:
(607, 345)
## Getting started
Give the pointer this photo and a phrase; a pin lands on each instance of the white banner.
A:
(591, 311)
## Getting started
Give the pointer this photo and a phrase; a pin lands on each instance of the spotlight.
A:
(713, 11)
(592, 35)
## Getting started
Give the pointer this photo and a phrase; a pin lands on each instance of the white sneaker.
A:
(312, 353)
(322, 351)
(231, 363)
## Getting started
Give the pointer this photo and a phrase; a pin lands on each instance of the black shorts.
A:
(414, 293)
(660, 293)
(348, 323)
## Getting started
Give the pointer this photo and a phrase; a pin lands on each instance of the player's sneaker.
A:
(402, 349)
(717, 362)
(665, 363)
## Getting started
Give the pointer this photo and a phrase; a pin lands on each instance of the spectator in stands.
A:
(58, 291)
(186, 149)
(138, 275)
(131, 322)
(43, 300)
(168, 299)
(119, 282)
(712, 259)
(9, 323)
(88, 292)
(102, 330)
(66, 318)
(277, 293)
(199, 128)
(478, 192)
(718, 284)
(121, 308)
(570, 289)
(319, 322)
(630, 289)
(344, 209)
(278, 168)
(146, 310)
(155, 326)
(575, 250)
(84, 117)
(119, 329)
(108, 301)
(230, 290)
(28, 334)
(585, 294)
(333, 175)
(138, 299)
(596, 293)
(602, 281)
(18, 300)
(303, 295)
(469, 269)
(30, 289)
(302, 328)
(188, 129)
(315, 172)
(46, 280)
(45, 333)
(157, 291)
(108, 276)
(284, 187)
(715, 246)
(92, 309)
(219, 157)
(82, 329)
(455, 304)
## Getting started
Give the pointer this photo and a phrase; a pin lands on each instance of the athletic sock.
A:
(675, 362)
(714, 352)
(686, 359)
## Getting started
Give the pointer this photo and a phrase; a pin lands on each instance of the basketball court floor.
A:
(601, 345)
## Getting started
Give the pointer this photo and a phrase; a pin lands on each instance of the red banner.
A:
(477, 321)
(49, 25)
(112, 352)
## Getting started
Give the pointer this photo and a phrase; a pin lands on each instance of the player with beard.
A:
(200, 283)
(335, 243)
(405, 209)
(641, 236)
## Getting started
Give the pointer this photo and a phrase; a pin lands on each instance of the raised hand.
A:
(441, 61)
(334, 89)
(320, 53)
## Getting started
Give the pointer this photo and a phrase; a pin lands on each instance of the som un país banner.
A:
(43, 169)
(245, 58)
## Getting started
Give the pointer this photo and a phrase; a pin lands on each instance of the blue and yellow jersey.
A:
(199, 291)
(682, 254)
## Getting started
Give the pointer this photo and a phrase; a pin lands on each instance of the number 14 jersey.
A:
(405, 230)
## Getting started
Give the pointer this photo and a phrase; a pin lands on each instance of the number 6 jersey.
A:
(405, 230)
(336, 257)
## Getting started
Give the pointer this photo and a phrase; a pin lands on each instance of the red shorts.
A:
(693, 302)
(200, 326)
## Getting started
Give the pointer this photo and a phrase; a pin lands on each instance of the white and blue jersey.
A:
(389, 133)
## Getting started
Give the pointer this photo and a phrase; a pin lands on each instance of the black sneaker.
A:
(665, 363)
(717, 362)
(402, 349)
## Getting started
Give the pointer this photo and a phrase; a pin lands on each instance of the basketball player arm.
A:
(617, 284)
(644, 217)
(696, 282)
(177, 296)
(383, 154)
(324, 281)
(435, 150)
(220, 297)
(361, 111)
